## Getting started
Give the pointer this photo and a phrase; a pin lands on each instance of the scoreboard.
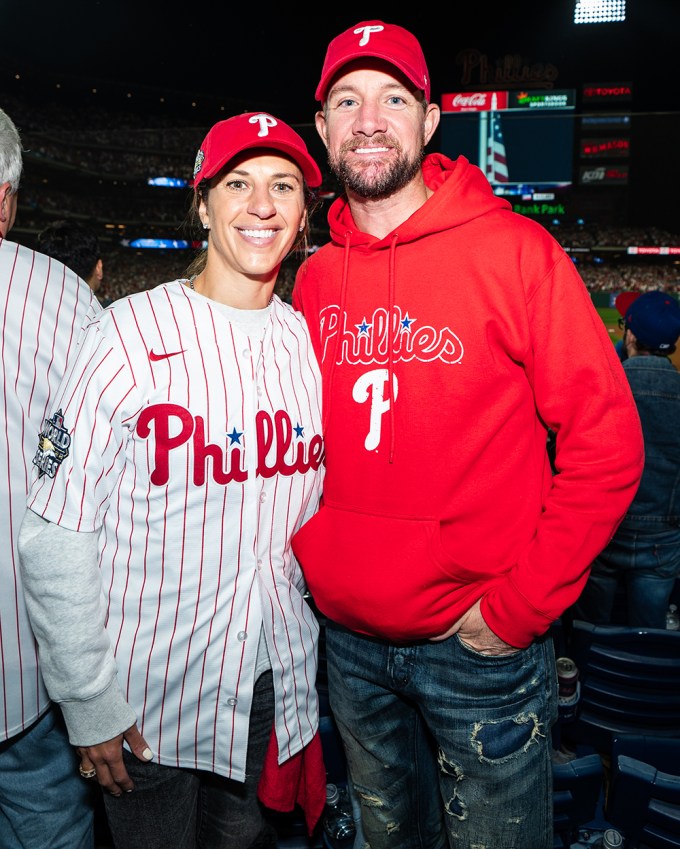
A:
(532, 130)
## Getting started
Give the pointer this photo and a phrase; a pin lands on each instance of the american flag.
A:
(496, 163)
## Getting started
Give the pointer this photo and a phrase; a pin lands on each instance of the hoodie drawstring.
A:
(392, 340)
(392, 331)
(328, 394)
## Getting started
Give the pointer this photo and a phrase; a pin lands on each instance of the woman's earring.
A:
(206, 226)
(301, 228)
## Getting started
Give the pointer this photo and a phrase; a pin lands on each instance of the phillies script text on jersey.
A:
(278, 433)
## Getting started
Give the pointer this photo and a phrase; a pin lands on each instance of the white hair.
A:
(11, 160)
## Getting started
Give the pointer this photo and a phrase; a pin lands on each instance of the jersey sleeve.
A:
(80, 450)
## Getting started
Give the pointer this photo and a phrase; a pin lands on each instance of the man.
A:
(77, 246)
(644, 554)
(445, 547)
(43, 800)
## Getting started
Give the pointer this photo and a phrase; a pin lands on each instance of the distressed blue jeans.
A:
(446, 747)
(192, 809)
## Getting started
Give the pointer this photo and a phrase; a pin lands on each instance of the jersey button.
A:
(232, 702)
(242, 635)
(263, 496)
(246, 352)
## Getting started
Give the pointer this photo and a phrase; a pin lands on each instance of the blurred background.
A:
(577, 123)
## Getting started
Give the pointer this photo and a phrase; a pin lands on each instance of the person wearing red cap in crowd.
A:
(643, 557)
(182, 451)
(444, 548)
(622, 302)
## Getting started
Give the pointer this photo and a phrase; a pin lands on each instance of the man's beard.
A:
(374, 181)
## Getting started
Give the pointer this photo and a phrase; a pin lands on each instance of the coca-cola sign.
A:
(474, 101)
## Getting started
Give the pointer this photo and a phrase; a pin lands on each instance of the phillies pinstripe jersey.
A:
(196, 447)
(44, 308)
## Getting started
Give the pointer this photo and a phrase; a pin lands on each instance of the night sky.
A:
(268, 59)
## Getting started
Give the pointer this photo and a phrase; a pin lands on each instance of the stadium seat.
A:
(629, 682)
(644, 795)
(660, 752)
(577, 789)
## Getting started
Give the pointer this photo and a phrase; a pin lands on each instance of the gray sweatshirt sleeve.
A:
(62, 586)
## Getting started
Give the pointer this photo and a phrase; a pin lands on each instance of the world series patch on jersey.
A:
(53, 446)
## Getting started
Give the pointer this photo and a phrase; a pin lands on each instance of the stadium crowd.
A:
(127, 271)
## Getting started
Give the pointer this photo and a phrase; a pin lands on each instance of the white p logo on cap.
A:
(265, 122)
(367, 33)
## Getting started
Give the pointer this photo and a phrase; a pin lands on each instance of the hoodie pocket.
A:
(386, 576)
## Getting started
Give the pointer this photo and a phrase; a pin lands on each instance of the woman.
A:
(183, 452)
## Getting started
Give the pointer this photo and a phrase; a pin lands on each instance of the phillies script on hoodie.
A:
(447, 348)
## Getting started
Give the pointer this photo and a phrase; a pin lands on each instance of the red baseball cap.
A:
(250, 130)
(624, 300)
(390, 42)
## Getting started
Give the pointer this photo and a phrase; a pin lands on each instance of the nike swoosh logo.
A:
(154, 357)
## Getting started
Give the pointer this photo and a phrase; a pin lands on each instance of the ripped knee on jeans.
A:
(506, 738)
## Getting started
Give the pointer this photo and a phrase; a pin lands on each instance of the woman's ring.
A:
(87, 773)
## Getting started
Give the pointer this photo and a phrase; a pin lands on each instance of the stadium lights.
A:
(599, 11)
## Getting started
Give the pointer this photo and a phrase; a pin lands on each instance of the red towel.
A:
(301, 780)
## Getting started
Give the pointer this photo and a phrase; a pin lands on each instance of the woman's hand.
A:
(107, 760)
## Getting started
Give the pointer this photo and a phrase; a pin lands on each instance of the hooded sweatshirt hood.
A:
(473, 193)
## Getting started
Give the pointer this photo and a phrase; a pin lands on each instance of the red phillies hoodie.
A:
(446, 349)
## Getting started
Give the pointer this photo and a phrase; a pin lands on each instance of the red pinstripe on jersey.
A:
(198, 464)
(44, 308)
